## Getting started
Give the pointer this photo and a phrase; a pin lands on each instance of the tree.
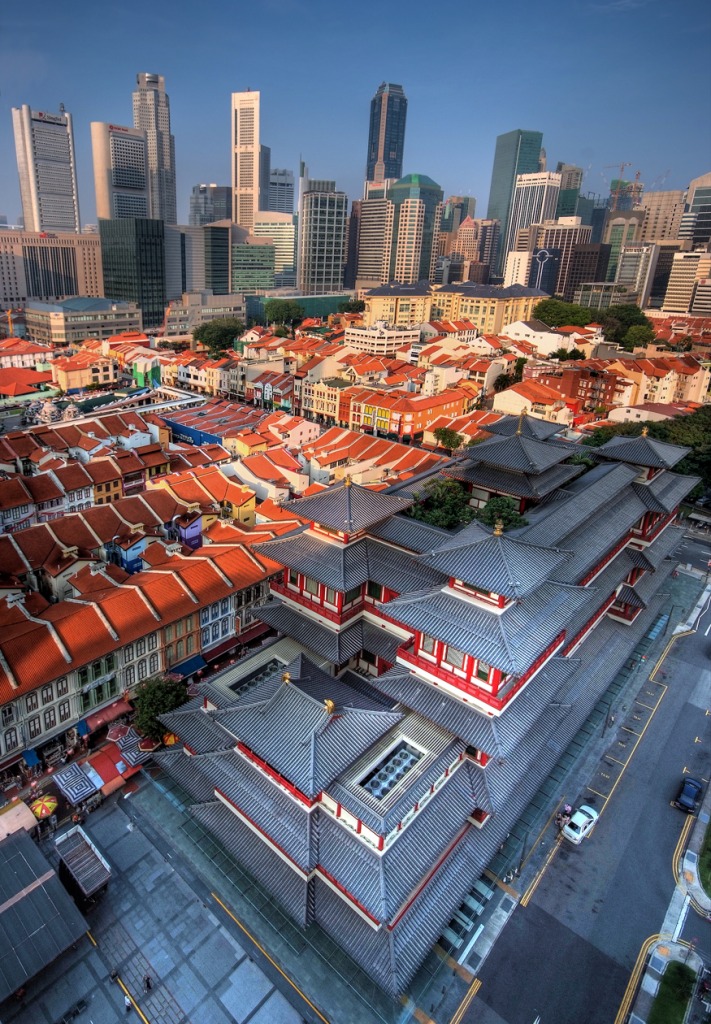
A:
(502, 382)
(617, 320)
(518, 369)
(283, 312)
(638, 336)
(503, 509)
(555, 313)
(220, 334)
(448, 439)
(355, 306)
(443, 503)
(157, 696)
(280, 332)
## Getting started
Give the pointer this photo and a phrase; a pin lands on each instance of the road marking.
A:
(92, 940)
(601, 795)
(634, 980)
(452, 963)
(678, 852)
(526, 898)
(464, 1005)
(134, 1004)
(264, 953)
(616, 760)
(707, 630)
(649, 707)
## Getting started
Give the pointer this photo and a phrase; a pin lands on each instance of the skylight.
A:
(389, 771)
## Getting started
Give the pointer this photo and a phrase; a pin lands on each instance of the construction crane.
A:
(618, 190)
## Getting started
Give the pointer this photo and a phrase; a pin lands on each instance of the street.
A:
(570, 951)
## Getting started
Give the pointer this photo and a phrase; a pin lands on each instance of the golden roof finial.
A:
(330, 706)
(645, 431)
(519, 428)
(348, 481)
(286, 677)
(499, 528)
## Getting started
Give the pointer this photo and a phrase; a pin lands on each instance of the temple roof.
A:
(519, 454)
(348, 507)
(664, 492)
(501, 565)
(527, 426)
(511, 639)
(522, 485)
(643, 451)
(336, 646)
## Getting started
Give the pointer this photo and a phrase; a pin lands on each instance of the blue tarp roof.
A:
(188, 667)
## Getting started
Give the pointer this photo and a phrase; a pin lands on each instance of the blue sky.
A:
(604, 80)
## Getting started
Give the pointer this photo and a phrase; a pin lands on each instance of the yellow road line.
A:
(632, 751)
(273, 962)
(609, 757)
(91, 938)
(626, 728)
(526, 898)
(649, 707)
(634, 980)
(601, 795)
(135, 1005)
(680, 846)
(464, 1005)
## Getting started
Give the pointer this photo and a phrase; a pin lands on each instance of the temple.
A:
(367, 783)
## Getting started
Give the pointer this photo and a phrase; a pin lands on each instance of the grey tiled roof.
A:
(338, 566)
(661, 547)
(523, 485)
(336, 646)
(377, 640)
(643, 451)
(296, 735)
(408, 533)
(528, 426)
(519, 453)
(665, 491)
(398, 570)
(591, 540)
(497, 564)
(197, 730)
(509, 640)
(348, 507)
(185, 770)
(217, 697)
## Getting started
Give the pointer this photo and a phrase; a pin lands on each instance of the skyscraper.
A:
(663, 213)
(281, 229)
(322, 242)
(534, 200)
(209, 203)
(281, 190)
(250, 160)
(417, 217)
(151, 113)
(696, 221)
(44, 144)
(571, 180)
(133, 260)
(621, 228)
(386, 135)
(121, 175)
(517, 152)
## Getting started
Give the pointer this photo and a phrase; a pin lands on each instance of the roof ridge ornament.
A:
(499, 528)
(645, 431)
(519, 429)
(286, 678)
(329, 706)
(348, 480)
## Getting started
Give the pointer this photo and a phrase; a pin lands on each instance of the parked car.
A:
(582, 822)
(689, 795)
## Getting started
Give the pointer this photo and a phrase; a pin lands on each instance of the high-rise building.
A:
(690, 271)
(250, 160)
(696, 221)
(184, 260)
(210, 203)
(517, 152)
(44, 145)
(386, 134)
(218, 260)
(668, 247)
(571, 180)
(133, 260)
(417, 215)
(455, 210)
(322, 242)
(281, 190)
(38, 265)
(308, 184)
(635, 271)
(280, 229)
(121, 174)
(151, 114)
(534, 200)
(588, 262)
(375, 239)
(562, 235)
(623, 227)
(251, 263)
(663, 213)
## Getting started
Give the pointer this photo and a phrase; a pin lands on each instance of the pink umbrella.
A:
(147, 745)
(117, 732)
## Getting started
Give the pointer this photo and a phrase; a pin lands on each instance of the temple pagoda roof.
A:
(519, 454)
(336, 646)
(522, 485)
(664, 492)
(643, 451)
(526, 426)
(348, 507)
(498, 564)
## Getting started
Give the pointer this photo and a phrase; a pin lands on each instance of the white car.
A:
(581, 824)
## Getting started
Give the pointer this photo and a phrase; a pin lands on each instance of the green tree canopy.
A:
(355, 306)
(503, 509)
(443, 503)
(448, 439)
(617, 320)
(638, 336)
(157, 696)
(518, 369)
(555, 313)
(283, 311)
(220, 334)
(502, 382)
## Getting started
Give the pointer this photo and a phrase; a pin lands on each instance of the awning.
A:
(30, 758)
(15, 817)
(106, 715)
(82, 728)
(188, 667)
(258, 629)
(223, 648)
(110, 787)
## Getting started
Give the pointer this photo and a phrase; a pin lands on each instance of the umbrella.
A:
(43, 806)
(169, 739)
(117, 732)
(147, 745)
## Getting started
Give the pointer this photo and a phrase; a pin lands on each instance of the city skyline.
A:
(449, 138)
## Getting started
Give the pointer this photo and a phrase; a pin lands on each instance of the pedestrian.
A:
(147, 983)
(127, 1004)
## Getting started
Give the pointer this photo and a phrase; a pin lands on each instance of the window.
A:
(32, 701)
(50, 718)
(482, 670)
(224, 606)
(204, 616)
(152, 641)
(375, 591)
(62, 686)
(154, 663)
(65, 711)
(47, 694)
(179, 628)
(190, 644)
(10, 739)
(205, 636)
(188, 623)
(216, 631)
(141, 647)
(225, 627)
(128, 653)
(293, 578)
(330, 595)
(142, 670)
(352, 595)
(97, 670)
(215, 610)
(180, 649)
(130, 675)
(168, 634)
(427, 644)
(8, 714)
(34, 727)
(311, 586)
(455, 657)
